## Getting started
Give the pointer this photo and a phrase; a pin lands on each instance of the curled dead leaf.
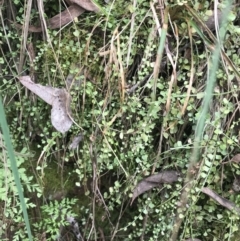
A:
(221, 200)
(154, 181)
(236, 158)
(192, 239)
(59, 99)
(76, 8)
(86, 4)
(65, 16)
(76, 140)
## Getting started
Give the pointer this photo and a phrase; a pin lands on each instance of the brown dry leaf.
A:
(65, 17)
(154, 181)
(221, 200)
(61, 110)
(60, 19)
(59, 99)
(86, 4)
(192, 239)
(76, 140)
(236, 158)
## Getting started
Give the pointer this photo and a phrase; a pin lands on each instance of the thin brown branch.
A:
(25, 35)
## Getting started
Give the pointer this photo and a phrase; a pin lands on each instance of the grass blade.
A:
(10, 151)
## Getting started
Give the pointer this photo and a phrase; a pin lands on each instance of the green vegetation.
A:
(152, 88)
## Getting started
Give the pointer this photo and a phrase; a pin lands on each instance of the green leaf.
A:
(76, 33)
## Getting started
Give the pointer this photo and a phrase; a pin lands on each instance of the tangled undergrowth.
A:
(137, 72)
